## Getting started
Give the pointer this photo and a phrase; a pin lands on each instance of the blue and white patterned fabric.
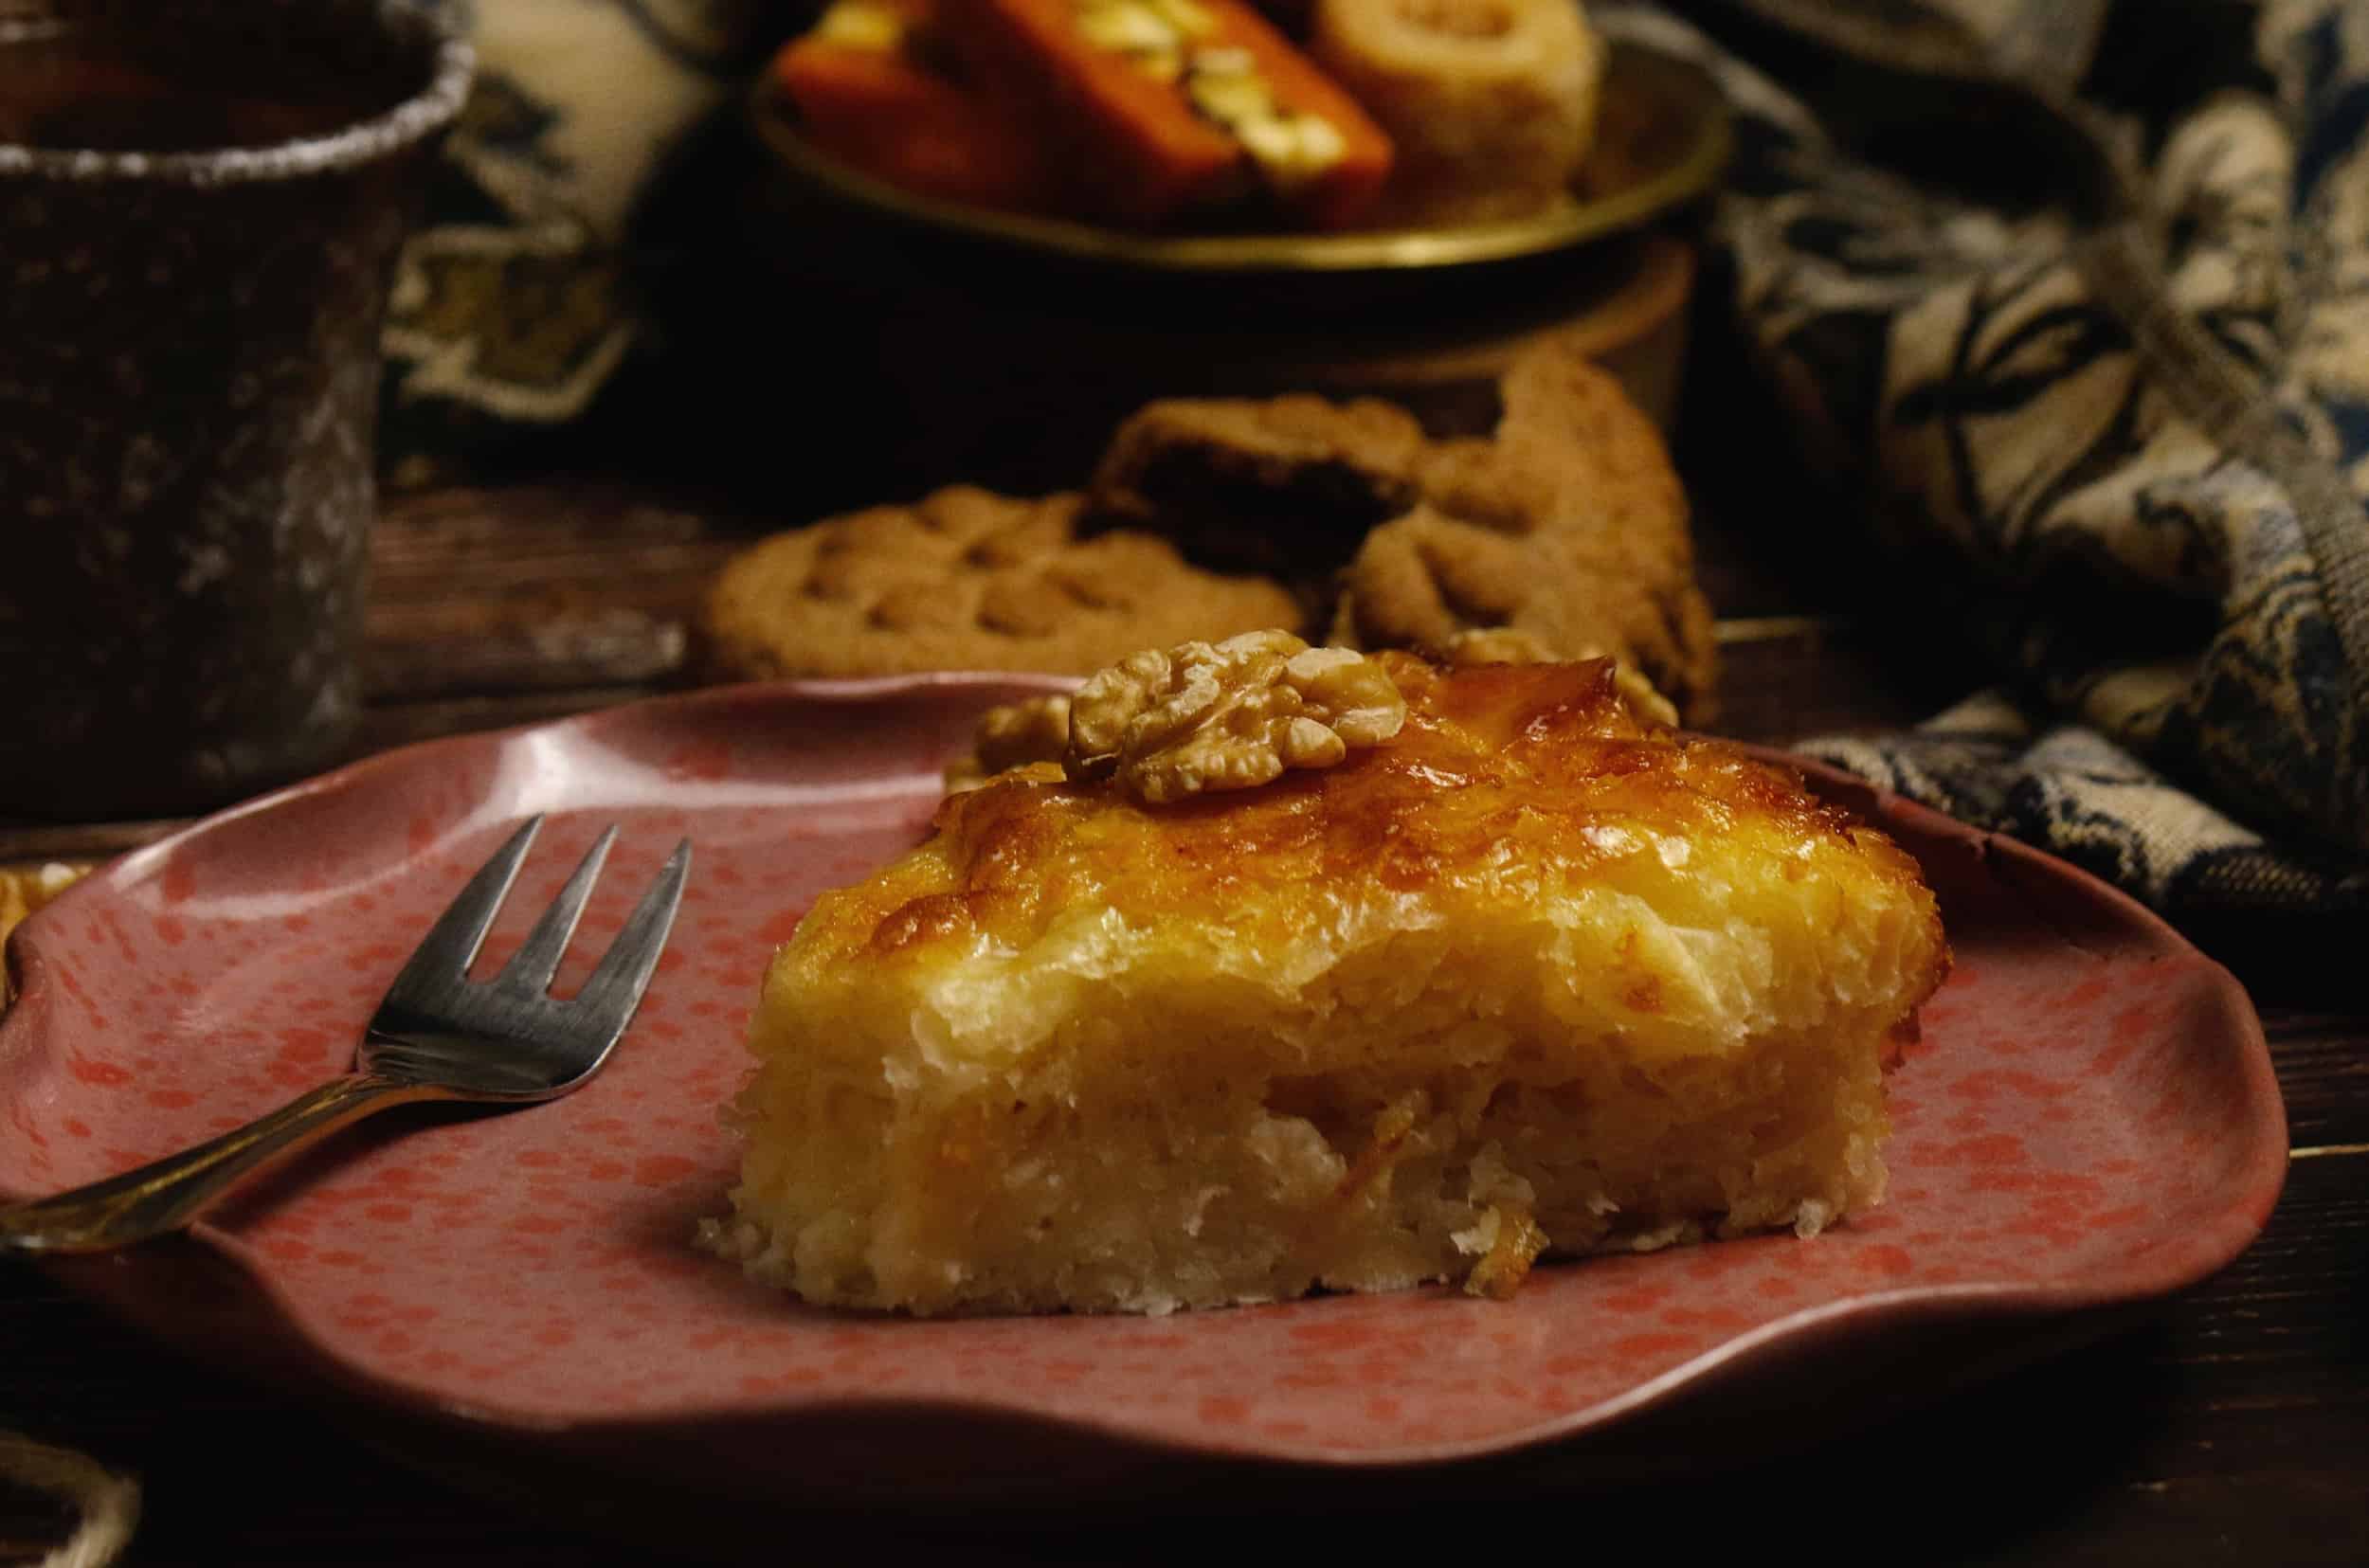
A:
(2076, 295)
(514, 307)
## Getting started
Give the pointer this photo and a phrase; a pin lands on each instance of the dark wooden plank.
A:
(34, 844)
(446, 650)
(2324, 1070)
(534, 588)
(389, 725)
(1786, 678)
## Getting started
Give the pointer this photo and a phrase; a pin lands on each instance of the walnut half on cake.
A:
(1513, 973)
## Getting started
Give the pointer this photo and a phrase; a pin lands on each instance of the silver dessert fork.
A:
(437, 1035)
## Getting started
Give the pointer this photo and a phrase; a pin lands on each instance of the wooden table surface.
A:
(2228, 1425)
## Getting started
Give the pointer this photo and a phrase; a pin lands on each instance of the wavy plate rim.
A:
(2236, 1223)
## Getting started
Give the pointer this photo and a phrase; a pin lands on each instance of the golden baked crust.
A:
(1529, 969)
(1567, 524)
(967, 580)
(1527, 762)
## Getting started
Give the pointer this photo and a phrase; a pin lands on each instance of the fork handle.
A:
(168, 1194)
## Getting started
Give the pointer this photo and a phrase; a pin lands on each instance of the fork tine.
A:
(442, 958)
(623, 973)
(537, 959)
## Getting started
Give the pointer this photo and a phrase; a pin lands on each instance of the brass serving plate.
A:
(1662, 138)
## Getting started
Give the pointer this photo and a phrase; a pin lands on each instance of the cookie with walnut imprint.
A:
(1287, 485)
(965, 579)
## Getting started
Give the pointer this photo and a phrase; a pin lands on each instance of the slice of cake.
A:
(1305, 970)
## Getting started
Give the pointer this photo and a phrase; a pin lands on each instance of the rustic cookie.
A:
(1427, 579)
(1565, 415)
(1421, 580)
(1463, 592)
(967, 580)
(1472, 477)
(1568, 525)
(1287, 485)
(1623, 520)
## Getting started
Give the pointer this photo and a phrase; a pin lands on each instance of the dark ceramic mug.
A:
(200, 206)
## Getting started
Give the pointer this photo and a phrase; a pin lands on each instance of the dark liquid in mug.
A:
(79, 92)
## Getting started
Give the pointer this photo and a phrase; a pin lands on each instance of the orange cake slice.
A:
(1223, 1013)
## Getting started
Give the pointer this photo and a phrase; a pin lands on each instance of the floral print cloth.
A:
(514, 308)
(2075, 294)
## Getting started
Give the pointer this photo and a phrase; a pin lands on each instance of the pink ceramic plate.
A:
(2090, 1119)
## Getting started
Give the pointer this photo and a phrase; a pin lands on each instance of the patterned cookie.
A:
(1565, 414)
(967, 580)
(1568, 525)
(1286, 485)
(1421, 580)
(1434, 582)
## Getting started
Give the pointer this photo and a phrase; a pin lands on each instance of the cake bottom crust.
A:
(1248, 1186)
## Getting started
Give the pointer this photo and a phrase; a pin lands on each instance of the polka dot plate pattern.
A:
(2090, 1119)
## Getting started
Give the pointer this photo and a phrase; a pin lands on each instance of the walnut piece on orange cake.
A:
(1527, 976)
(1169, 723)
(1013, 735)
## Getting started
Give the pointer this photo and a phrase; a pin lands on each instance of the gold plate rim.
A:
(1674, 80)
